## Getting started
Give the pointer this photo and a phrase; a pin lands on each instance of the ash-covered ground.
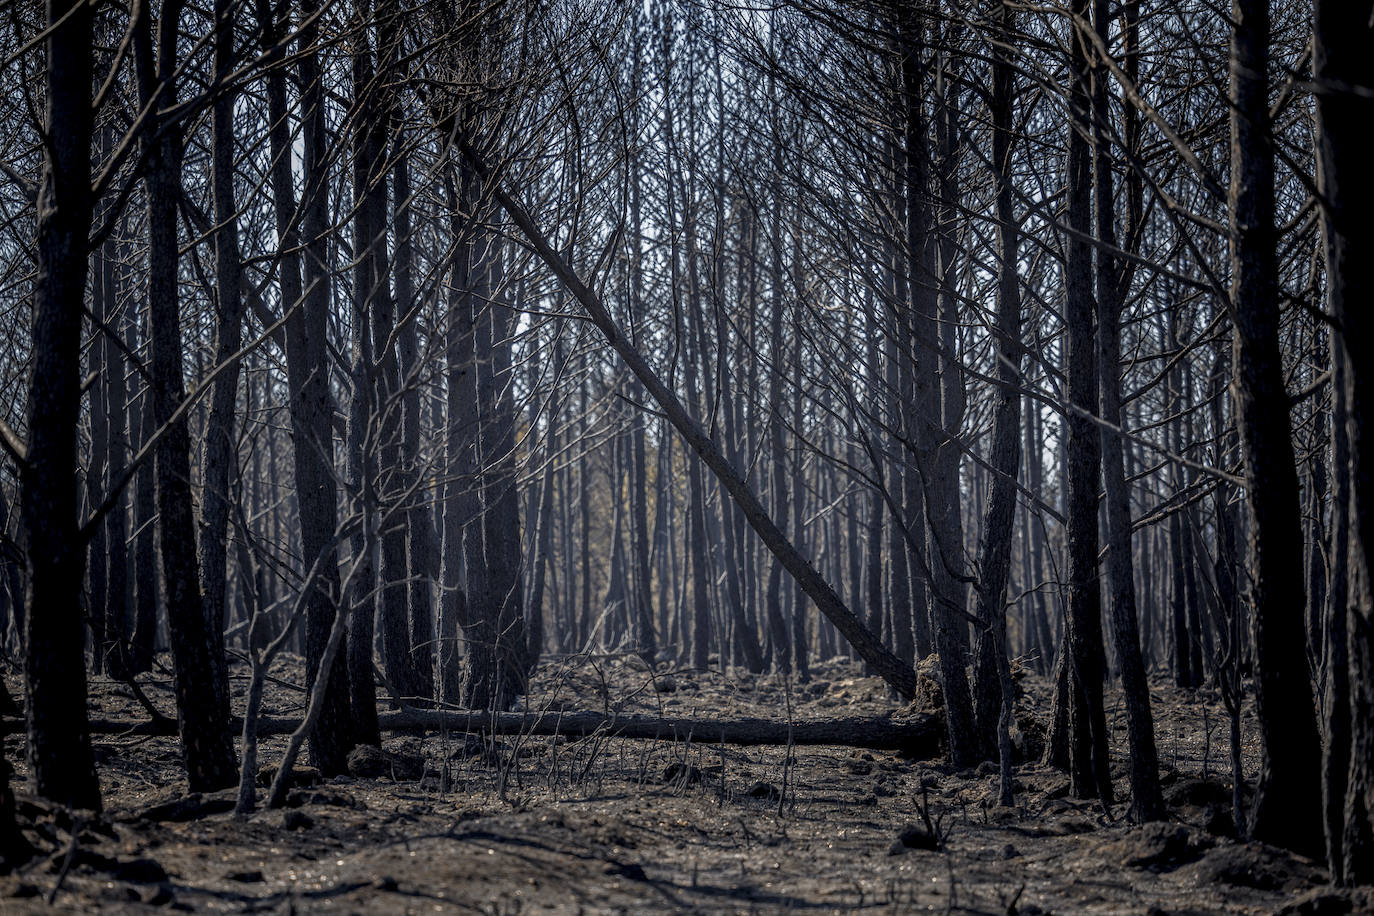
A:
(513, 824)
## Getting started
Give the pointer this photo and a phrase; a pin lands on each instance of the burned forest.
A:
(580, 456)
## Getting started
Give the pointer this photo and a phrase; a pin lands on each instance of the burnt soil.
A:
(523, 824)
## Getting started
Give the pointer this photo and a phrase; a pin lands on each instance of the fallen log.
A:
(916, 735)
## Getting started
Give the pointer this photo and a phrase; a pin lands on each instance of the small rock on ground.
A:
(368, 762)
(761, 789)
(913, 837)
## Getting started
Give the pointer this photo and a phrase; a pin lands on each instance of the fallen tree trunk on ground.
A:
(916, 735)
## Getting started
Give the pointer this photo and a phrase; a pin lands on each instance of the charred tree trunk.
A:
(1285, 812)
(642, 609)
(221, 454)
(109, 579)
(305, 288)
(97, 549)
(544, 517)
(873, 546)
(1287, 808)
(200, 676)
(415, 679)
(477, 621)
(144, 644)
(800, 641)
(460, 506)
(120, 585)
(501, 518)
(927, 485)
(949, 607)
(61, 763)
(992, 684)
(1344, 71)
(1090, 768)
(1147, 802)
(779, 633)
(393, 477)
(371, 421)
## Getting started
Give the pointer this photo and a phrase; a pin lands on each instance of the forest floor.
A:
(609, 825)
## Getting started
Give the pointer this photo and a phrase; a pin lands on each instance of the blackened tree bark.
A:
(927, 433)
(1090, 768)
(1178, 606)
(1189, 671)
(617, 576)
(97, 550)
(461, 506)
(118, 599)
(747, 548)
(416, 678)
(501, 509)
(801, 643)
(877, 510)
(200, 676)
(1225, 570)
(1344, 71)
(683, 191)
(778, 631)
(909, 638)
(481, 561)
(220, 453)
(949, 578)
(1039, 640)
(908, 505)
(642, 604)
(311, 405)
(1316, 495)
(495, 654)
(377, 103)
(1287, 808)
(992, 683)
(1337, 725)
(61, 764)
(1113, 279)
(108, 576)
(361, 598)
(370, 422)
(738, 634)
(144, 644)
(544, 515)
